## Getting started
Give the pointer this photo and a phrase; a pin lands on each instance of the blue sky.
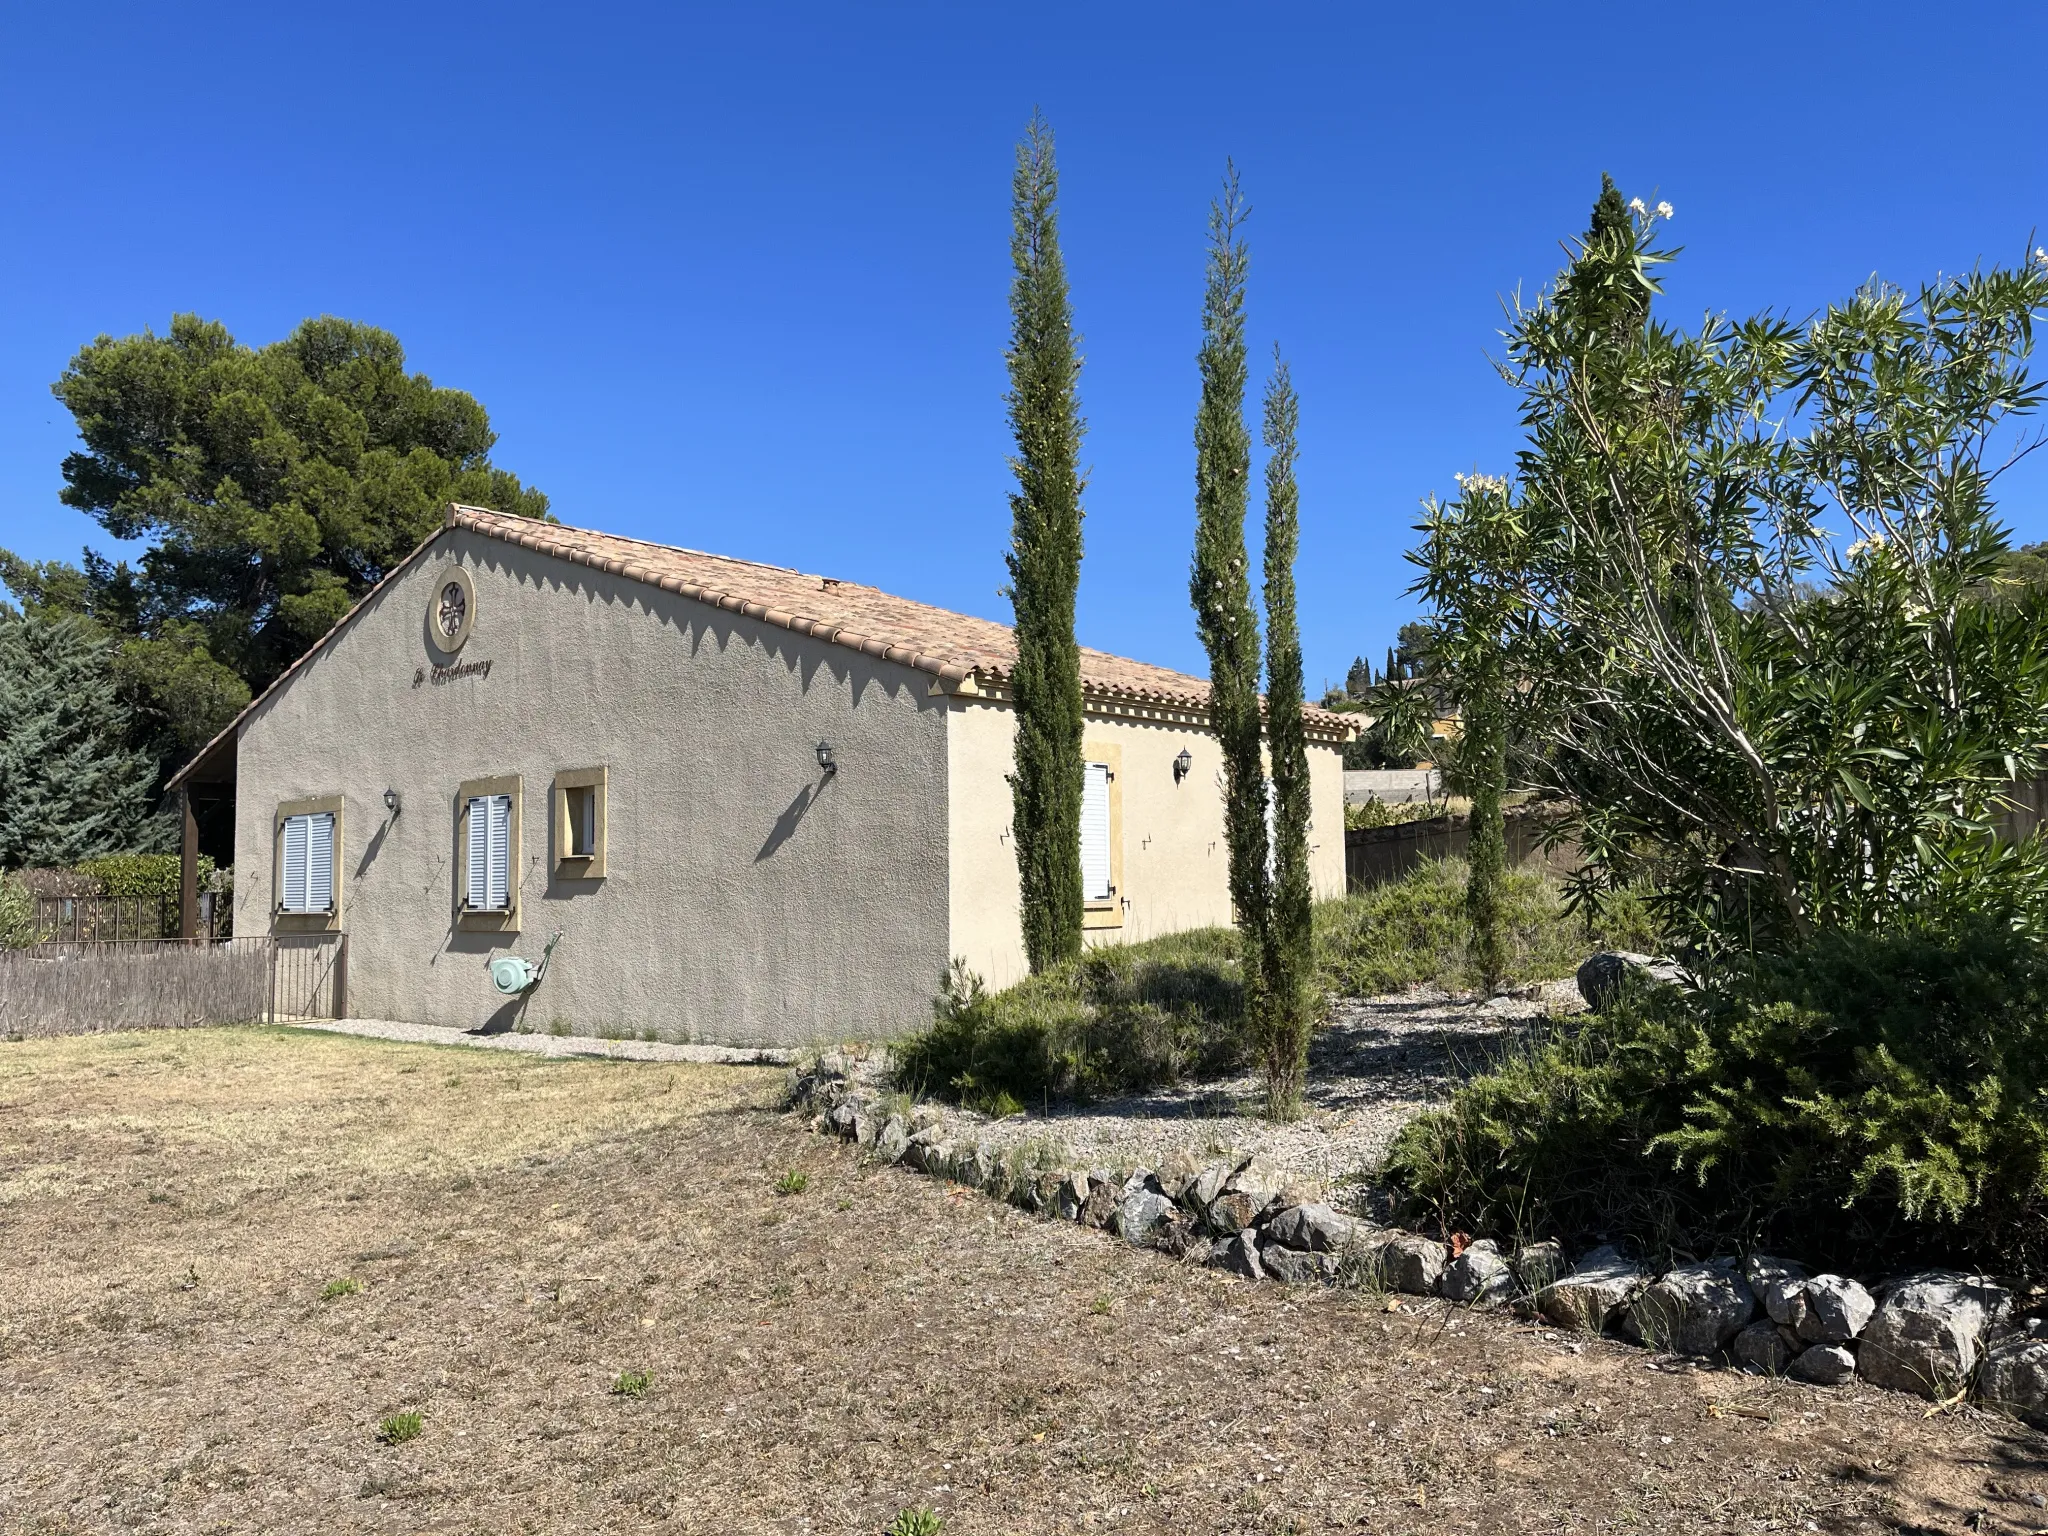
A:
(734, 277)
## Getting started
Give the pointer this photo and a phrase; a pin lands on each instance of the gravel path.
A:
(1373, 1067)
(550, 1045)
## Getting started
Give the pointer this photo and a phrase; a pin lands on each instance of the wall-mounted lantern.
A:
(825, 762)
(1182, 766)
(391, 802)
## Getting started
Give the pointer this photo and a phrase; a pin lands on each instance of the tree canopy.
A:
(275, 484)
(71, 786)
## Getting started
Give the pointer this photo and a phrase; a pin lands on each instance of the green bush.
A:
(1131, 1016)
(1118, 1018)
(17, 913)
(142, 874)
(1871, 1098)
(1416, 930)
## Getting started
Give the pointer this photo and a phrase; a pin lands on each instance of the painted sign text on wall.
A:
(451, 672)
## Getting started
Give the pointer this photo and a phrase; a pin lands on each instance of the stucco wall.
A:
(1175, 864)
(748, 898)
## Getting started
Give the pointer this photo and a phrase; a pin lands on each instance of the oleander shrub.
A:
(1866, 1099)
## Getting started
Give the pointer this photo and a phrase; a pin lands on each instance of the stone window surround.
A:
(574, 866)
(304, 922)
(466, 920)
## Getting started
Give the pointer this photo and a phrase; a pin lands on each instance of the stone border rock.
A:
(1940, 1333)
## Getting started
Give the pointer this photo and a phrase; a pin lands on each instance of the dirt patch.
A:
(172, 1208)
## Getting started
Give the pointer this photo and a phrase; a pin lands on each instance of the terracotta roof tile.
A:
(963, 652)
(954, 647)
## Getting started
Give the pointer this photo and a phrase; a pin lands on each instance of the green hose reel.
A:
(515, 975)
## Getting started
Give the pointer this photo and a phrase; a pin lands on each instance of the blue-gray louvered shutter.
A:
(292, 898)
(320, 862)
(499, 883)
(476, 891)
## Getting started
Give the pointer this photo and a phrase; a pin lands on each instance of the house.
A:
(760, 807)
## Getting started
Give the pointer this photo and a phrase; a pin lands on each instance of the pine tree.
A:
(1045, 562)
(1290, 942)
(70, 787)
(1220, 585)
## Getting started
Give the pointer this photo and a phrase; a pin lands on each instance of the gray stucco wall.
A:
(748, 898)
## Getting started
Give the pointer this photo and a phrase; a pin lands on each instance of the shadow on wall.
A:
(786, 824)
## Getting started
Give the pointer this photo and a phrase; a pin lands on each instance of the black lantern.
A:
(1182, 766)
(391, 801)
(825, 758)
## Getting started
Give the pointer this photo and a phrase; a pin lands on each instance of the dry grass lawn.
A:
(172, 1207)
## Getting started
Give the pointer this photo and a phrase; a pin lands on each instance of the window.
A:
(1102, 836)
(1095, 882)
(305, 866)
(487, 864)
(308, 883)
(579, 802)
(490, 853)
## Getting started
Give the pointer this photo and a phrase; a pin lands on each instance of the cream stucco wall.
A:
(748, 897)
(1175, 865)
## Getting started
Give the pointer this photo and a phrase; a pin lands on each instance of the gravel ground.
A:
(551, 1045)
(1373, 1067)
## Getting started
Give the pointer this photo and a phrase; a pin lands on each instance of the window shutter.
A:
(293, 897)
(1095, 884)
(499, 882)
(476, 889)
(320, 862)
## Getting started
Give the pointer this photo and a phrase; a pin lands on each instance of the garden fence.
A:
(85, 988)
(1377, 855)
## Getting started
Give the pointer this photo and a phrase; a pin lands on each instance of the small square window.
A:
(579, 824)
(582, 808)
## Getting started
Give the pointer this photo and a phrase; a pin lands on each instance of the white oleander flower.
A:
(1635, 206)
(1664, 210)
(2041, 255)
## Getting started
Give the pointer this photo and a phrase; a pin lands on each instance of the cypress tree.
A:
(70, 786)
(1290, 942)
(1220, 585)
(1044, 562)
(1358, 681)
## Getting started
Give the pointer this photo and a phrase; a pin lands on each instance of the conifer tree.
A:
(1358, 681)
(1290, 943)
(1045, 562)
(1220, 585)
(70, 786)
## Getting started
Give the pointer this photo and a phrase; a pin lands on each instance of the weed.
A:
(397, 1428)
(334, 1290)
(633, 1383)
(190, 1280)
(845, 1204)
(1099, 1306)
(922, 1520)
(794, 1182)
